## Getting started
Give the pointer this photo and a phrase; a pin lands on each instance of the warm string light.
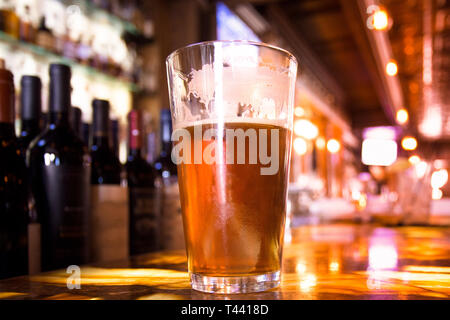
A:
(378, 19)
(333, 146)
(402, 116)
(409, 143)
(320, 143)
(306, 129)
(299, 111)
(414, 159)
(391, 68)
(300, 146)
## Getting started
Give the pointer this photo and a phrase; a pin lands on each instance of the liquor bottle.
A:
(44, 37)
(13, 188)
(60, 173)
(106, 168)
(109, 208)
(9, 20)
(27, 32)
(166, 168)
(171, 219)
(30, 110)
(144, 196)
(75, 121)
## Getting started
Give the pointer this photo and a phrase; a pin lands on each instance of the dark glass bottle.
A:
(9, 20)
(167, 170)
(60, 172)
(75, 121)
(44, 37)
(109, 209)
(26, 30)
(144, 196)
(30, 110)
(171, 220)
(106, 168)
(13, 188)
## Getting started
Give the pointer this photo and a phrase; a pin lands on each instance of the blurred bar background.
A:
(372, 115)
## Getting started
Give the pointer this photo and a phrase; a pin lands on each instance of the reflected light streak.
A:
(334, 266)
(300, 268)
(382, 256)
(308, 282)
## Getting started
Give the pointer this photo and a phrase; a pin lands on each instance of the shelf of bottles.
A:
(88, 36)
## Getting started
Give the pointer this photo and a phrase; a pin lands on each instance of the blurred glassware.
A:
(404, 194)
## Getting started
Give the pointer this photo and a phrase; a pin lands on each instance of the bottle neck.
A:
(60, 101)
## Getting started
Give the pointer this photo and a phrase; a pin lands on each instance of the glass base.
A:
(227, 285)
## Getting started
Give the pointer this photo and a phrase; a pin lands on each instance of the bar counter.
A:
(339, 261)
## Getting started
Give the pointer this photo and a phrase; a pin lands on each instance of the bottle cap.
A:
(30, 97)
(100, 117)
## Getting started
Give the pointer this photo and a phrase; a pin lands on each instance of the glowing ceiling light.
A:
(378, 152)
(306, 129)
(300, 146)
(391, 68)
(333, 146)
(299, 111)
(320, 143)
(402, 116)
(409, 143)
(439, 178)
(380, 20)
(414, 159)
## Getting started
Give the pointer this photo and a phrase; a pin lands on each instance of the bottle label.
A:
(109, 220)
(145, 208)
(65, 216)
(172, 236)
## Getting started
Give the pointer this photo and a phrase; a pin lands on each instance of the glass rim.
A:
(247, 42)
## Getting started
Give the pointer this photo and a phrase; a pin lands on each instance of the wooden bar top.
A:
(340, 261)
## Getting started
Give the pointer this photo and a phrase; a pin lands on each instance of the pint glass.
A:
(232, 113)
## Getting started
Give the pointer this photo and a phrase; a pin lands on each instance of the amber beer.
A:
(233, 215)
